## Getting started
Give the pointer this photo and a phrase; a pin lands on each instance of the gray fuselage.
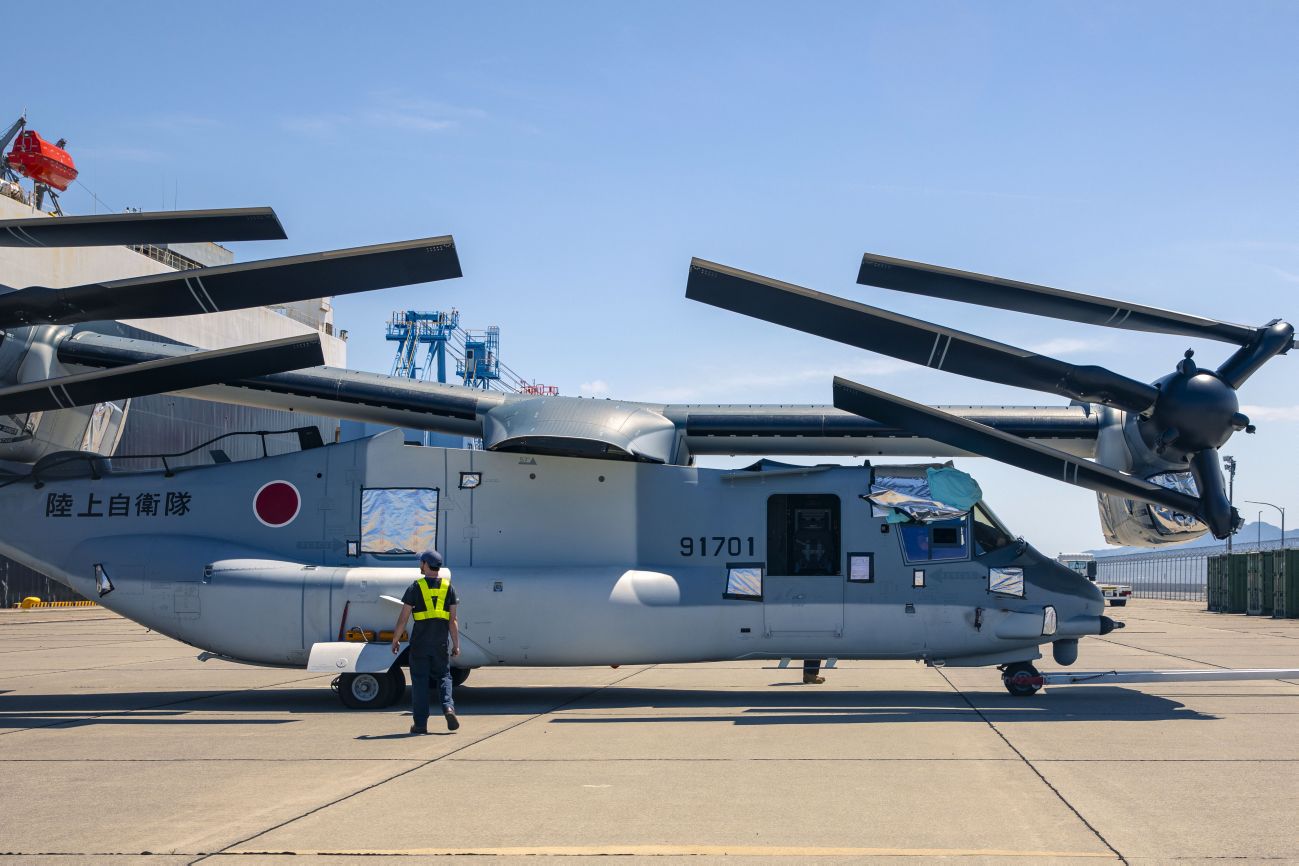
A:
(556, 560)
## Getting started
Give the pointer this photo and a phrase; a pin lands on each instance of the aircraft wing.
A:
(824, 430)
(574, 426)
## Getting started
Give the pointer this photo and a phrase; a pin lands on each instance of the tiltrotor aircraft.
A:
(582, 533)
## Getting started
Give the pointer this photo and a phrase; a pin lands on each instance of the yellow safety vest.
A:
(435, 599)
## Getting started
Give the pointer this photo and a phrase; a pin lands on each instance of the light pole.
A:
(1260, 517)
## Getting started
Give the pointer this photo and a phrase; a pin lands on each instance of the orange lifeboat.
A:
(43, 162)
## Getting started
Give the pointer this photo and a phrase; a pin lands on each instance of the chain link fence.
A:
(1178, 575)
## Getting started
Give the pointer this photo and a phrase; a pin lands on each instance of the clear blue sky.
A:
(581, 153)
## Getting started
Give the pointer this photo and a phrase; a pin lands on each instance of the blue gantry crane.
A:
(425, 339)
(412, 329)
(481, 363)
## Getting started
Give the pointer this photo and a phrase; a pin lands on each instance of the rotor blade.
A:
(909, 339)
(163, 227)
(935, 282)
(232, 287)
(1221, 518)
(163, 375)
(390, 400)
(1003, 447)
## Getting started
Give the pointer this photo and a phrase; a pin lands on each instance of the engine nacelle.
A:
(581, 428)
(29, 355)
(1139, 524)
(1119, 445)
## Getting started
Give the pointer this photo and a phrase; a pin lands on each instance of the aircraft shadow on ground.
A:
(584, 704)
(824, 708)
(77, 719)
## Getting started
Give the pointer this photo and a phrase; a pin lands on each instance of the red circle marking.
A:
(276, 503)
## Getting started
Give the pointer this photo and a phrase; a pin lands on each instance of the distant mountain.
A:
(1250, 534)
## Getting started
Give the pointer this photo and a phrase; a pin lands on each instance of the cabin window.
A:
(861, 567)
(803, 534)
(935, 542)
(105, 585)
(1006, 581)
(743, 581)
(398, 521)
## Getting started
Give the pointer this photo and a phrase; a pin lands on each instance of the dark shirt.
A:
(428, 636)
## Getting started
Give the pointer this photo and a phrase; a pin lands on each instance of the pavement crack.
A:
(1165, 655)
(84, 646)
(420, 766)
(1247, 632)
(129, 710)
(55, 621)
(96, 668)
(1187, 658)
(1053, 789)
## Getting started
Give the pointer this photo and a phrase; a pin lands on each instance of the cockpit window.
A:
(935, 542)
(989, 534)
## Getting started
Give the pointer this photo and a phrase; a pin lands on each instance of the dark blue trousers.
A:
(423, 666)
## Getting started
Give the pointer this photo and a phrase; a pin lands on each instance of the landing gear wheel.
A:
(365, 691)
(1118, 602)
(1021, 679)
(458, 676)
(397, 685)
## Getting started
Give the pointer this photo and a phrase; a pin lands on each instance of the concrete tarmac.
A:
(120, 747)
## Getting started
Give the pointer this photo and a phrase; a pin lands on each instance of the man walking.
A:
(431, 602)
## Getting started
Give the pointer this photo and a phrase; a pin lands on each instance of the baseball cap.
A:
(432, 558)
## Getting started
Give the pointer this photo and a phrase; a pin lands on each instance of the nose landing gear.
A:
(1021, 679)
(370, 691)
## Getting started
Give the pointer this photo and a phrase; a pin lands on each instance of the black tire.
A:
(397, 685)
(1017, 678)
(365, 691)
(1118, 602)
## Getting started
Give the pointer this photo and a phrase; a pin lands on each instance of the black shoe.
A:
(452, 722)
(417, 729)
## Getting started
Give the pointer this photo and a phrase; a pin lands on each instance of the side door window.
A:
(803, 535)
